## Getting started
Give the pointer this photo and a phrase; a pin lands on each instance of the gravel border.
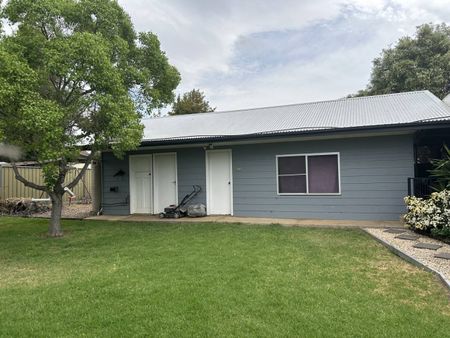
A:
(420, 257)
(73, 211)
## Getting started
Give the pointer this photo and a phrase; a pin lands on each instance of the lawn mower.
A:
(177, 211)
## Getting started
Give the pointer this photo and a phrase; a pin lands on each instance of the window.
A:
(308, 174)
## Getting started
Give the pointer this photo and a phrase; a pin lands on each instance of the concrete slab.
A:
(395, 231)
(407, 237)
(428, 246)
(443, 255)
(255, 220)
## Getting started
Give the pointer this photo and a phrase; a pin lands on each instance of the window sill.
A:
(309, 194)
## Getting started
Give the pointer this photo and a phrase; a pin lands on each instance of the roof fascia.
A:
(294, 137)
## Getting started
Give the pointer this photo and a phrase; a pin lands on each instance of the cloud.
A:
(254, 53)
(199, 35)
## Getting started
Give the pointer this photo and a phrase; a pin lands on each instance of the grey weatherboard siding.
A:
(191, 170)
(373, 172)
(115, 203)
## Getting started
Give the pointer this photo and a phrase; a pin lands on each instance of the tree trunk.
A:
(54, 229)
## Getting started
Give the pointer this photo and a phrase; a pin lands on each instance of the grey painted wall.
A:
(191, 170)
(115, 203)
(374, 173)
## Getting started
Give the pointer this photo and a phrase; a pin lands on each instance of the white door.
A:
(165, 180)
(219, 182)
(141, 184)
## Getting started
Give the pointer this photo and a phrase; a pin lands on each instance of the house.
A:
(341, 159)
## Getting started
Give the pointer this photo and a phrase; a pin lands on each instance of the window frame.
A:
(307, 193)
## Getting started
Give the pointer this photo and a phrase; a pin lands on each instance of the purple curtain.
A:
(291, 165)
(292, 184)
(323, 174)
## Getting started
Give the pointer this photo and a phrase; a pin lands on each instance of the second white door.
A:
(141, 184)
(219, 182)
(165, 180)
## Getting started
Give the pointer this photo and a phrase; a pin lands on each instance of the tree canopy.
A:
(75, 72)
(414, 63)
(190, 103)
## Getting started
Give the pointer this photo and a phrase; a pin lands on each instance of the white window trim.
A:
(307, 193)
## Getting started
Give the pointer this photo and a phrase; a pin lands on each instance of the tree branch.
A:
(62, 175)
(44, 32)
(54, 84)
(70, 94)
(65, 82)
(27, 183)
(82, 172)
(87, 91)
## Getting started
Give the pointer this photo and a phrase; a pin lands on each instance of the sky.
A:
(245, 54)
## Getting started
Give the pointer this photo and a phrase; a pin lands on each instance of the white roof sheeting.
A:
(360, 112)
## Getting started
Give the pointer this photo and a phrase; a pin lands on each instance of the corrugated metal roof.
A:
(369, 111)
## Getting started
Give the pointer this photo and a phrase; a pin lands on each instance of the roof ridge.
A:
(323, 101)
(434, 97)
(300, 104)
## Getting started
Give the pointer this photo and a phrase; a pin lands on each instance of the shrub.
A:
(444, 232)
(428, 214)
(441, 170)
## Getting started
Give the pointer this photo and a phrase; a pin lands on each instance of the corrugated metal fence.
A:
(10, 187)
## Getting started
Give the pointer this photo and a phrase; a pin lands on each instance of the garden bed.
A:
(74, 211)
(425, 257)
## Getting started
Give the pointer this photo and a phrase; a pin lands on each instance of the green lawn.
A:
(154, 279)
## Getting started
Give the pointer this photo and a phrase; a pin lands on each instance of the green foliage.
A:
(429, 213)
(441, 170)
(192, 102)
(443, 233)
(76, 72)
(414, 63)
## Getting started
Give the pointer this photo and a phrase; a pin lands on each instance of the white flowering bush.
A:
(430, 213)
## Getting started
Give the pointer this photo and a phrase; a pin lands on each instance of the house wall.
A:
(115, 203)
(191, 170)
(374, 174)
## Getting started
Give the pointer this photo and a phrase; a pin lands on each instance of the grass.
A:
(167, 280)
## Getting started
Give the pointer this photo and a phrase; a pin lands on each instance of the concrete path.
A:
(254, 220)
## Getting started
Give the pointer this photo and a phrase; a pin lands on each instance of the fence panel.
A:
(12, 188)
